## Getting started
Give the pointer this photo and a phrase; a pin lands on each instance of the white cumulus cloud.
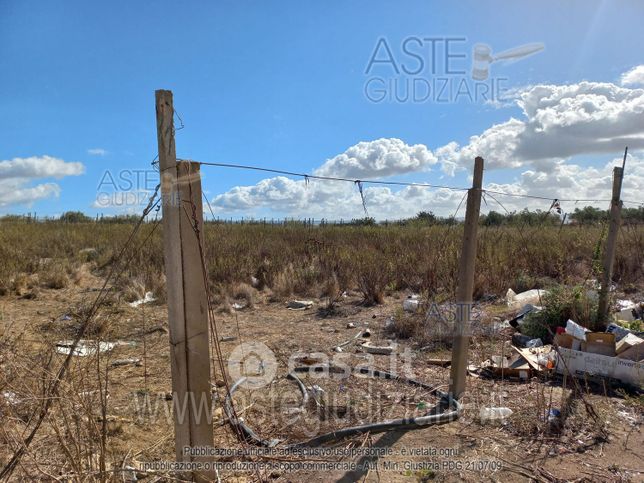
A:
(559, 124)
(635, 76)
(17, 174)
(378, 158)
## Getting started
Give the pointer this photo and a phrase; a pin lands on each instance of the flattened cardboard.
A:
(581, 363)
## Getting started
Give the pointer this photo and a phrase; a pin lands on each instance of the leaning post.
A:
(186, 293)
(460, 347)
(611, 245)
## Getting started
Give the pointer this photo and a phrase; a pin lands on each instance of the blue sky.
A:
(282, 84)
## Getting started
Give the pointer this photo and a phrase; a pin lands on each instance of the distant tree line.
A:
(581, 216)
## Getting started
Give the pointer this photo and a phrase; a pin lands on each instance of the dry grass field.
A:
(116, 415)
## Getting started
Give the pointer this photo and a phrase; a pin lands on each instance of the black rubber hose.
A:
(435, 416)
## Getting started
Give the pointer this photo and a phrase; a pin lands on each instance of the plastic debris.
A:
(411, 303)
(554, 415)
(625, 304)
(525, 310)
(547, 360)
(534, 343)
(378, 350)
(631, 312)
(516, 301)
(621, 332)
(317, 391)
(519, 340)
(238, 306)
(576, 330)
(149, 297)
(227, 338)
(10, 397)
(66, 317)
(299, 304)
(126, 362)
(84, 348)
(495, 414)
(351, 325)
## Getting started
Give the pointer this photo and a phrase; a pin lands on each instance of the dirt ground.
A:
(600, 440)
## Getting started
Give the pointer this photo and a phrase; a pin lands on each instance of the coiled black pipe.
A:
(446, 411)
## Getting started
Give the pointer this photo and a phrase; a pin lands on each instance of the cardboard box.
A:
(600, 343)
(631, 347)
(631, 340)
(579, 364)
(567, 341)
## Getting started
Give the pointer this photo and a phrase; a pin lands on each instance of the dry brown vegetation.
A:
(99, 427)
(302, 260)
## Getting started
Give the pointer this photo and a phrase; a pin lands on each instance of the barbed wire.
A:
(360, 182)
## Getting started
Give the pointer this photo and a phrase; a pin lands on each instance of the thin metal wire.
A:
(358, 182)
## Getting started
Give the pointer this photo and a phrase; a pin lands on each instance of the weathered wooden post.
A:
(611, 244)
(187, 296)
(460, 347)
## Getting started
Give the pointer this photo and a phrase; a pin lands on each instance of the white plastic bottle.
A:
(495, 414)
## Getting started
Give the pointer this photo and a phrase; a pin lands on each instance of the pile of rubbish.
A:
(616, 354)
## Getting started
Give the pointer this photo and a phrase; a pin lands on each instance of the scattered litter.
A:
(254, 281)
(600, 343)
(630, 347)
(495, 414)
(621, 332)
(157, 328)
(547, 360)
(366, 333)
(497, 366)
(346, 343)
(576, 330)
(66, 317)
(227, 338)
(554, 415)
(567, 341)
(539, 358)
(625, 304)
(520, 340)
(316, 390)
(84, 348)
(378, 350)
(439, 362)
(630, 313)
(581, 364)
(525, 310)
(149, 297)
(389, 323)
(516, 301)
(126, 362)
(299, 304)
(238, 306)
(351, 325)
(10, 397)
(411, 303)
